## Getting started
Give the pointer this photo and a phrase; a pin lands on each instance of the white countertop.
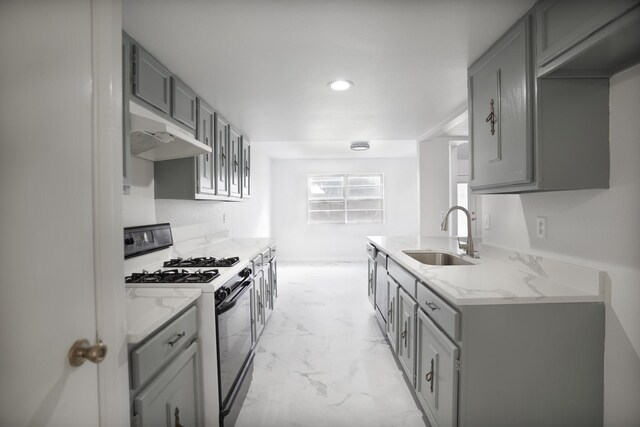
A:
(150, 308)
(499, 276)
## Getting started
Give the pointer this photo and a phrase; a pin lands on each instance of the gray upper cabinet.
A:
(151, 80)
(235, 174)
(499, 90)
(221, 154)
(205, 162)
(246, 168)
(183, 103)
(534, 134)
(566, 25)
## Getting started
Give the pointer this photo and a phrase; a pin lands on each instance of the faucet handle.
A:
(462, 245)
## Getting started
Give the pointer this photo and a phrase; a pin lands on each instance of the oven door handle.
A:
(227, 305)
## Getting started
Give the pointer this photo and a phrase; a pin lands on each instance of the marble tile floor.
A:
(322, 359)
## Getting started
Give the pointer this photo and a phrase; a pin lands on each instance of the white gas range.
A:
(222, 270)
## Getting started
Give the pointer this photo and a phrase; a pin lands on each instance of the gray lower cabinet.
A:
(498, 365)
(406, 333)
(205, 162)
(371, 281)
(246, 168)
(183, 103)
(436, 373)
(235, 174)
(273, 269)
(165, 388)
(151, 80)
(172, 398)
(392, 313)
(221, 155)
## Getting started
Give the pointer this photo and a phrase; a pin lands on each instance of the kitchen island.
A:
(507, 339)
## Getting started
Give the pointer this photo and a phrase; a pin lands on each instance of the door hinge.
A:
(457, 365)
(135, 421)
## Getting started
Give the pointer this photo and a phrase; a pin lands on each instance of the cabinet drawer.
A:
(371, 251)
(257, 264)
(153, 354)
(404, 279)
(441, 312)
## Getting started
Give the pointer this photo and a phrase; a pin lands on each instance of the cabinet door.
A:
(205, 131)
(221, 156)
(246, 168)
(436, 373)
(260, 310)
(392, 314)
(500, 94)
(406, 333)
(127, 56)
(274, 279)
(371, 282)
(173, 397)
(235, 140)
(151, 80)
(268, 294)
(183, 103)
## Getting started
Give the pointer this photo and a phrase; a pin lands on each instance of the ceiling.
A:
(265, 64)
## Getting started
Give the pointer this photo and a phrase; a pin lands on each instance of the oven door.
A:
(234, 340)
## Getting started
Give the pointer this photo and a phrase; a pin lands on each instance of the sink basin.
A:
(436, 258)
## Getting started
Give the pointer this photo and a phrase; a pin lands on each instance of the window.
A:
(345, 199)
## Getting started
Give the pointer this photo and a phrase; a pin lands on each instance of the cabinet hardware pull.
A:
(390, 313)
(176, 338)
(176, 415)
(404, 334)
(491, 118)
(429, 377)
(432, 306)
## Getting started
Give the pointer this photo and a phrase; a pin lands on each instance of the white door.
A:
(49, 203)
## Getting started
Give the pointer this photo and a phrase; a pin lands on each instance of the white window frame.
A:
(345, 199)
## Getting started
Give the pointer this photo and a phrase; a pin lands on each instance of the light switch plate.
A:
(541, 227)
(486, 221)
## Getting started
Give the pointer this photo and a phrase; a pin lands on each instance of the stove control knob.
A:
(81, 351)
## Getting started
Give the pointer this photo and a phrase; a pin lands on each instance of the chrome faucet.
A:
(468, 247)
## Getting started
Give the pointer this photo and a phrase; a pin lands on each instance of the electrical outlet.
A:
(224, 218)
(486, 222)
(541, 227)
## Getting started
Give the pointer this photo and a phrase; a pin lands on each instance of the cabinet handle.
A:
(491, 118)
(432, 306)
(176, 415)
(390, 313)
(429, 377)
(176, 338)
(404, 333)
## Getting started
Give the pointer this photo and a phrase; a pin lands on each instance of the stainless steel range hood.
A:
(154, 138)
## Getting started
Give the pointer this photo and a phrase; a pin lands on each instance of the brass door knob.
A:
(82, 351)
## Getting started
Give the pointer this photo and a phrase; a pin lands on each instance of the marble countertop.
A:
(498, 276)
(150, 308)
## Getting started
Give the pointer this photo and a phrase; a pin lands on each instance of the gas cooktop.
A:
(202, 262)
(173, 276)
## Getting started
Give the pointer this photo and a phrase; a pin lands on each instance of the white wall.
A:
(246, 218)
(298, 240)
(600, 228)
(434, 184)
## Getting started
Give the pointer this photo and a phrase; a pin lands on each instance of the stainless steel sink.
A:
(436, 258)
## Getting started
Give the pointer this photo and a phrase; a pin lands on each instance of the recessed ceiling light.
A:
(340, 84)
(360, 146)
